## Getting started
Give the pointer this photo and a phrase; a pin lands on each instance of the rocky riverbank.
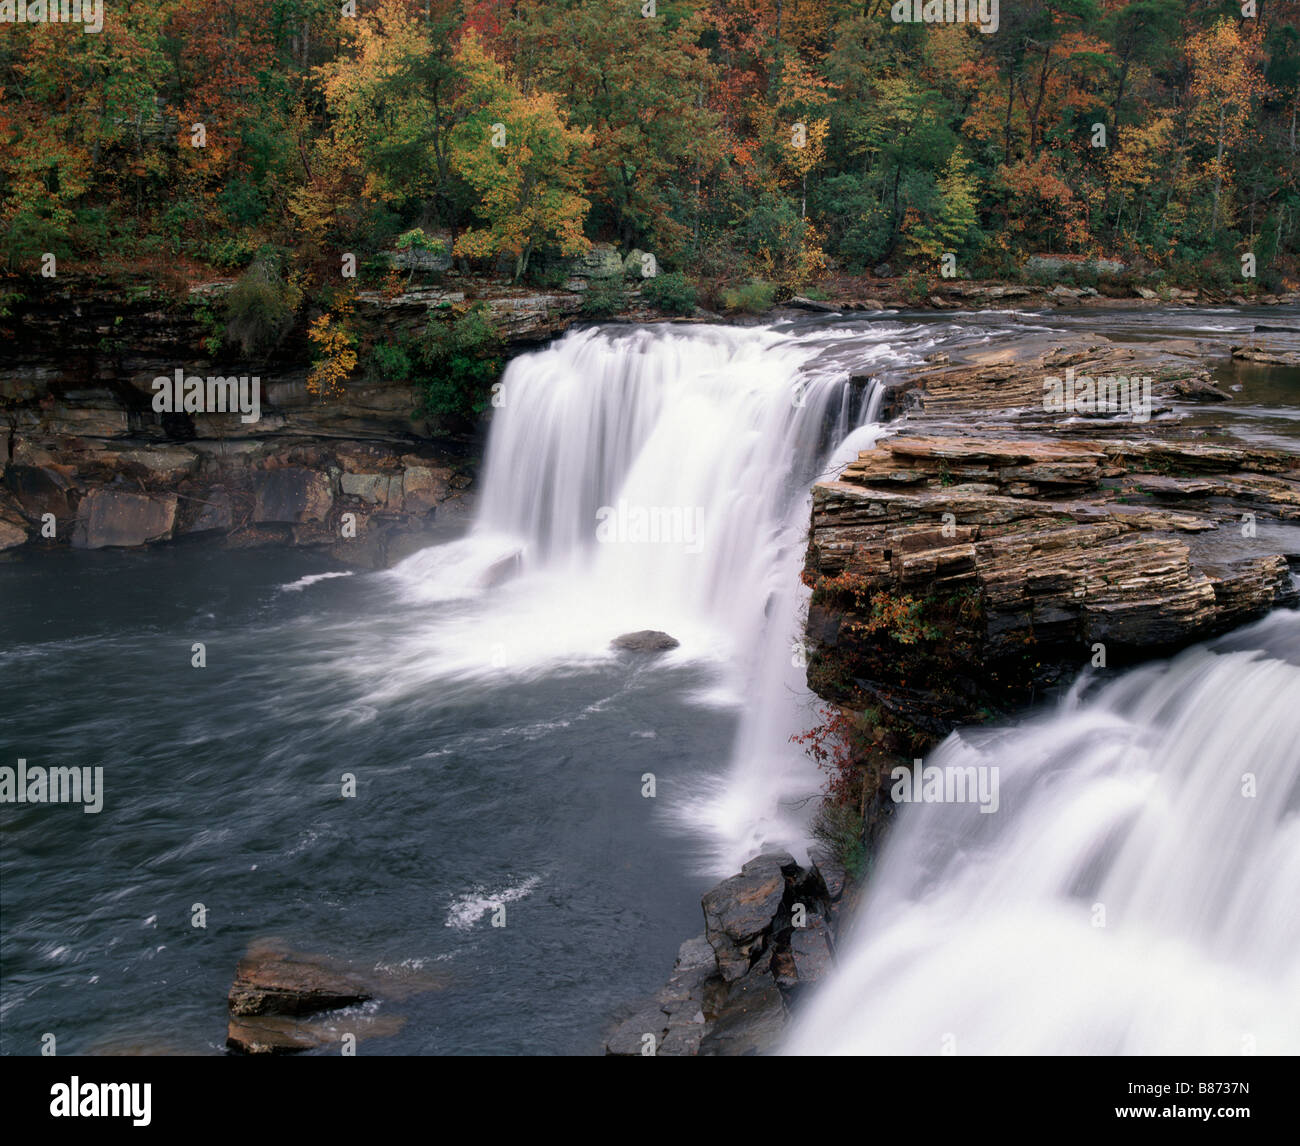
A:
(769, 935)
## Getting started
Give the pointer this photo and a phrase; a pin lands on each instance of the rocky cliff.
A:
(986, 550)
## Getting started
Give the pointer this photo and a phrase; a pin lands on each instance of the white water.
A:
(978, 934)
(726, 427)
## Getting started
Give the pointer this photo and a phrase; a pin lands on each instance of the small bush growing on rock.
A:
(260, 307)
(754, 297)
(672, 293)
(840, 829)
(604, 299)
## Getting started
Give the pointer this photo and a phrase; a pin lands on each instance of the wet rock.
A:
(810, 950)
(632, 1038)
(753, 1020)
(109, 517)
(272, 980)
(645, 641)
(739, 912)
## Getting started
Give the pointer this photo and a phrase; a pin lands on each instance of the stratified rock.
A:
(272, 980)
(645, 641)
(738, 912)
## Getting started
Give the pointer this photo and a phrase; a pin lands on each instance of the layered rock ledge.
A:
(987, 549)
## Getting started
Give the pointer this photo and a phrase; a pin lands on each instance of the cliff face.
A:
(986, 550)
(88, 462)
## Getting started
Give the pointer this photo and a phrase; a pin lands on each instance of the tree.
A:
(522, 160)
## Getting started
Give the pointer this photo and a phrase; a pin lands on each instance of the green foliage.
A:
(672, 293)
(841, 830)
(389, 362)
(604, 298)
(260, 307)
(755, 297)
(457, 363)
(230, 252)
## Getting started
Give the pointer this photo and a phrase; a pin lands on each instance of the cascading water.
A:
(718, 431)
(1136, 892)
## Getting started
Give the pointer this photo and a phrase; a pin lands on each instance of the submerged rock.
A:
(285, 1002)
(272, 980)
(645, 641)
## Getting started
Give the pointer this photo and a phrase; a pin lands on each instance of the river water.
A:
(502, 752)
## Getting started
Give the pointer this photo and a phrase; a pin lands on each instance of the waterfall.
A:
(1137, 891)
(659, 478)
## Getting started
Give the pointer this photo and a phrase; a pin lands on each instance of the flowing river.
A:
(504, 754)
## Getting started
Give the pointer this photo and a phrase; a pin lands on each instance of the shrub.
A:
(840, 829)
(389, 362)
(604, 298)
(459, 360)
(229, 253)
(754, 297)
(260, 307)
(672, 293)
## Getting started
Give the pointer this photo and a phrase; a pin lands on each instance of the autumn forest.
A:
(777, 140)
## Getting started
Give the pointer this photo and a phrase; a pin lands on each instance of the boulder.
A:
(738, 913)
(602, 261)
(112, 517)
(645, 641)
(290, 494)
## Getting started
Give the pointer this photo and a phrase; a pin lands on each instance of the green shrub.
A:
(672, 293)
(389, 362)
(260, 307)
(458, 362)
(229, 253)
(754, 297)
(604, 298)
(840, 829)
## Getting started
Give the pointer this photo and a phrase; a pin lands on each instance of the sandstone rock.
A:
(290, 494)
(111, 517)
(39, 490)
(372, 488)
(272, 980)
(602, 261)
(645, 641)
(423, 487)
(215, 513)
(11, 535)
